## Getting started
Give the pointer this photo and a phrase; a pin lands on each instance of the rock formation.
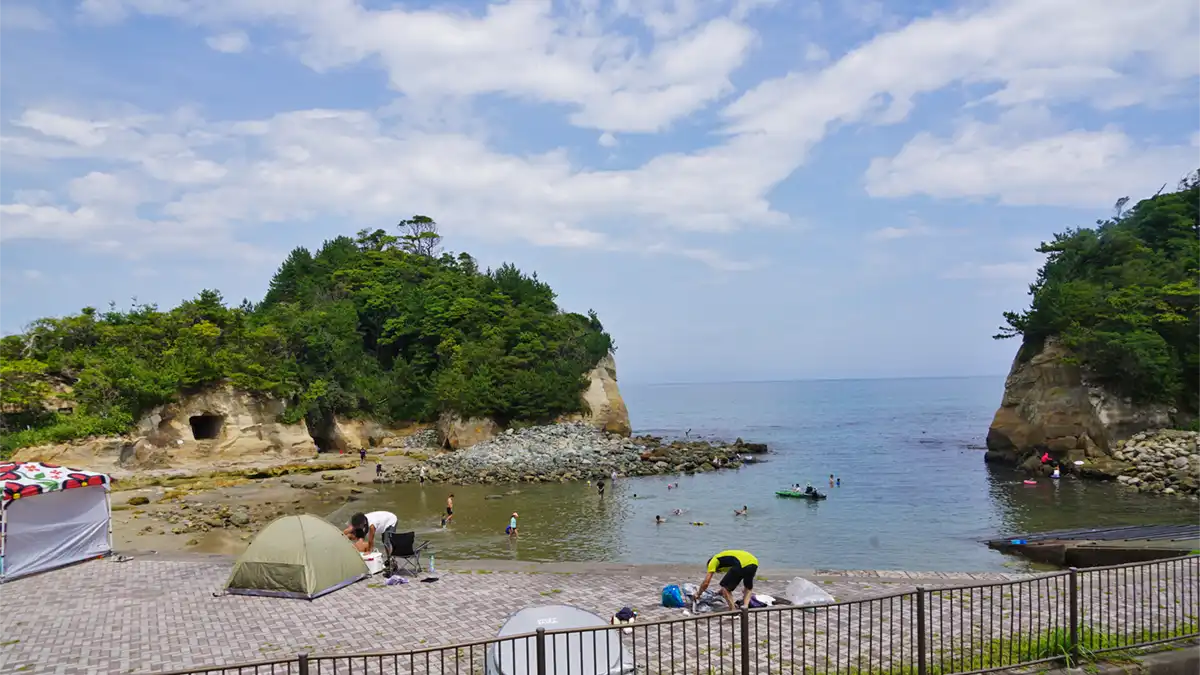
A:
(1049, 406)
(212, 428)
(1166, 462)
(571, 451)
(603, 408)
(456, 432)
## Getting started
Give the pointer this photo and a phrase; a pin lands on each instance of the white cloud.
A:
(893, 233)
(234, 42)
(176, 177)
(815, 53)
(23, 17)
(1070, 168)
(342, 164)
(1148, 46)
(523, 49)
(1022, 271)
(607, 140)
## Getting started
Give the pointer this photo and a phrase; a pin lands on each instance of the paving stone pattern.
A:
(148, 616)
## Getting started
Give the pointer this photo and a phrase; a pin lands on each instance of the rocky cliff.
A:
(216, 428)
(603, 405)
(1049, 406)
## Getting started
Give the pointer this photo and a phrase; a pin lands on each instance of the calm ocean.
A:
(915, 493)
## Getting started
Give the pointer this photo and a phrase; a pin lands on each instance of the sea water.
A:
(915, 492)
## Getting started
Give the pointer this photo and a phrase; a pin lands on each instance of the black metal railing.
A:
(1062, 617)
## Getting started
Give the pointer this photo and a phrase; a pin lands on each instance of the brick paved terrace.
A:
(153, 615)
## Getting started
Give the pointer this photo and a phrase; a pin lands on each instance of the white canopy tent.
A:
(51, 516)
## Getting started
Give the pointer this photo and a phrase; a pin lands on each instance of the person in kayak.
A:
(739, 568)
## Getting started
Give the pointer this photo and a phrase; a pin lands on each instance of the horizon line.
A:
(813, 379)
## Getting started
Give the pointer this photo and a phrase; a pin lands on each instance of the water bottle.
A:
(432, 568)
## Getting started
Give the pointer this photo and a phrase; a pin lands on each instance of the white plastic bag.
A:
(803, 592)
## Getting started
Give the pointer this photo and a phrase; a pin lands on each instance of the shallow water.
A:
(915, 492)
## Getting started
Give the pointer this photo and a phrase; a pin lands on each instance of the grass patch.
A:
(8, 643)
(1024, 648)
(65, 427)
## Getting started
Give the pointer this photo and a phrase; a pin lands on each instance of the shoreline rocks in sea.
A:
(572, 451)
(1161, 462)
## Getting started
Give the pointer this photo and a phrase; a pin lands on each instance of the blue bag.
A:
(672, 596)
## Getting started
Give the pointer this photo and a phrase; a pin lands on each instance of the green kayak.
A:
(811, 496)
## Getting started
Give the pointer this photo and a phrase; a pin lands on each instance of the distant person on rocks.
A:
(422, 474)
(1045, 458)
(742, 511)
(449, 510)
(614, 476)
(378, 469)
(362, 455)
(739, 568)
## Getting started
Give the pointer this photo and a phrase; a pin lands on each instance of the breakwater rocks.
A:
(573, 451)
(1165, 462)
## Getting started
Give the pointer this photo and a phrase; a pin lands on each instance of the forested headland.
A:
(1123, 296)
(382, 325)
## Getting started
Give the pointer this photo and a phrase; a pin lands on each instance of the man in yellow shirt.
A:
(739, 568)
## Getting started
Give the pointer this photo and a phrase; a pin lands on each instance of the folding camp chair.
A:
(405, 554)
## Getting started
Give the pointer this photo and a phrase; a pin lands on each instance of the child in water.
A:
(742, 511)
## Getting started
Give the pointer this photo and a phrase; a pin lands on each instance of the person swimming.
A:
(742, 511)
(677, 512)
(659, 520)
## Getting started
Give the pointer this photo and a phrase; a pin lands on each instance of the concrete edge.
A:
(1180, 660)
(654, 570)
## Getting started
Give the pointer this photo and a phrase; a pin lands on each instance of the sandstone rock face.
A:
(605, 408)
(456, 432)
(1048, 405)
(224, 424)
(221, 427)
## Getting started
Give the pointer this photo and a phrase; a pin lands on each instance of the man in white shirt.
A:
(367, 528)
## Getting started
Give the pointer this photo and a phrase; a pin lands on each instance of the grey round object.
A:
(586, 653)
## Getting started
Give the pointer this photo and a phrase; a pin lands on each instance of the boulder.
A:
(456, 432)
(604, 408)
(1048, 405)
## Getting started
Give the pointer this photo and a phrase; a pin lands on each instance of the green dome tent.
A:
(296, 557)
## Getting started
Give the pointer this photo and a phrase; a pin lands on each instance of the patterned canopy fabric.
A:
(21, 480)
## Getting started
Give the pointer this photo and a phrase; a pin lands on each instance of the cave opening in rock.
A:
(323, 429)
(206, 427)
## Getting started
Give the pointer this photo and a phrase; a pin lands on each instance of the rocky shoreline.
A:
(1161, 462)
(573, 451)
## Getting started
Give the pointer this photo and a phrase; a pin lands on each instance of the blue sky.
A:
(742, 189)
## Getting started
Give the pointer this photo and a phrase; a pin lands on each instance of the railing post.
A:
(745, 621)
(302, 661)
(920, 630)
(540, 640)
(1073, 588)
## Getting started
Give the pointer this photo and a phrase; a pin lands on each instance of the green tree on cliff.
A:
(381, 324)
(1124, 297)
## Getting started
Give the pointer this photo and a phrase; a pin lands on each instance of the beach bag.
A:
(672, 596)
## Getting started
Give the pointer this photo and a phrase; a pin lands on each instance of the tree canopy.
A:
(379, 325)
(1123, 297)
